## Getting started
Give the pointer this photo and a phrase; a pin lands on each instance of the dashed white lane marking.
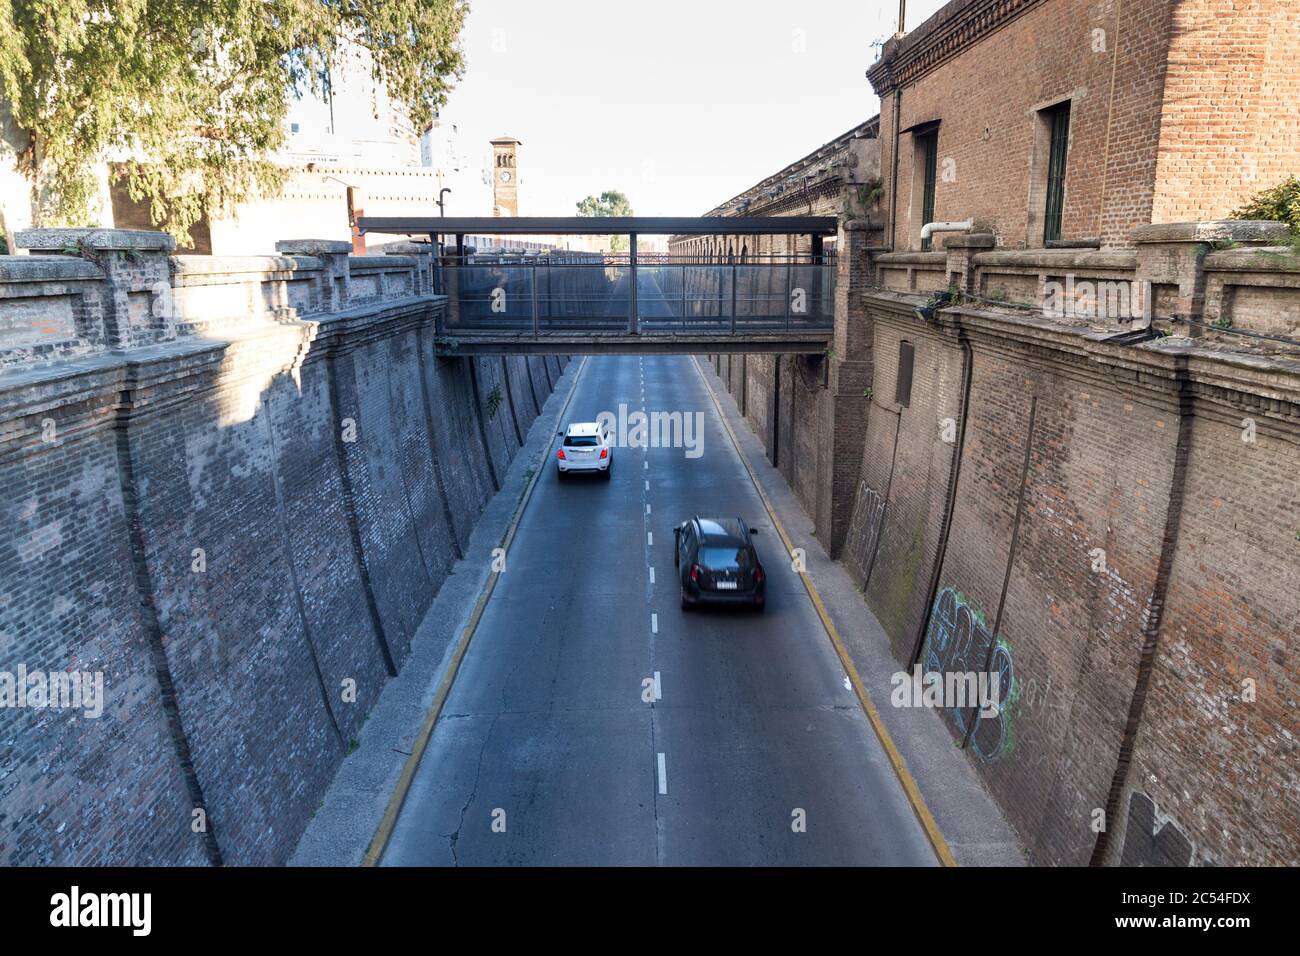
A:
(645, 464)
(663, 776)
(649, 538)
(647, 507)
(652, 575)
(647, 484)
(654, 623)
(659, 687)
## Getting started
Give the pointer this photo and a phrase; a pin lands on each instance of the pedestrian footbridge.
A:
(568, 302)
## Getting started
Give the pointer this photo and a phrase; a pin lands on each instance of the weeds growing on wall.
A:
(1280, 203)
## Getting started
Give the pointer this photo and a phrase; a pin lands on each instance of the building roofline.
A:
(952, 29)
(869, 129)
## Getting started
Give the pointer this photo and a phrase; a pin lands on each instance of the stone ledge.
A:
(46, 268)
(934, 258)
(1056, 258)
(1254, 259)
(313, 247)
(105, 240)
(408, 249)
(976, 240)
(1234, 230)
(238, 265)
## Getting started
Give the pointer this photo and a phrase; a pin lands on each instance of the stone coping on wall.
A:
(24, 390)
(1214, 230)
(1267, 385)
(389, 262)
(313, 247)
(243, 265)
(46, 269)
(125, 240)
(908, 258)
(93, 290)
(1057, 259)
(1254, 259)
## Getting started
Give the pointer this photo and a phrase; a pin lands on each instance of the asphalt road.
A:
(546, 753)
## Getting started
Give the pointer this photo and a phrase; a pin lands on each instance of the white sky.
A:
(681, 104)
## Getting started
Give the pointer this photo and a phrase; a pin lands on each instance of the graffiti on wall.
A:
(864, 527)
(958, 641)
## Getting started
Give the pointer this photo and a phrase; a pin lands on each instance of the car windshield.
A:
(725, 559)
(581, 441)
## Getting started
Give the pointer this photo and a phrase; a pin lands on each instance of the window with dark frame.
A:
(1060, 142)
(929, 147)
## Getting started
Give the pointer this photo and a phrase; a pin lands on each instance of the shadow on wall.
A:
(243, 537)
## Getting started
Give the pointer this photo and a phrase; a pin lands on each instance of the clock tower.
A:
(505, 176)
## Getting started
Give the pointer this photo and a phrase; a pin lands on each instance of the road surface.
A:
(546, 752)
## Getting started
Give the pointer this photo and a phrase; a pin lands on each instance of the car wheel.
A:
(559, 474)
(686, 605)
(609, 472)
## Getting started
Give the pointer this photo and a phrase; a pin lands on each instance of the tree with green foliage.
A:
(191, 97)
(1281, 203)
(609, 203)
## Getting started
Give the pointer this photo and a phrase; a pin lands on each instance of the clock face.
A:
(505, 176)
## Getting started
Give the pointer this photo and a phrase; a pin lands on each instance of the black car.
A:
(717, 563)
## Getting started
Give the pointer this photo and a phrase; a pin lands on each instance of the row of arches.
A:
(740, 249)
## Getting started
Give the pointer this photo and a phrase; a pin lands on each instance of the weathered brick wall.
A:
(1216, 753)
(1084, 587)
(761, 387)
(1178, 111)
(1229, 126)
(909, 468)
(75, 790)
(242, 533)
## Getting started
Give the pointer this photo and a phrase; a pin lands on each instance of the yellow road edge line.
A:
(388, 821)
(919, 808)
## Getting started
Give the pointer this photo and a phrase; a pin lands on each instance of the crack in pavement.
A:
(454, 836)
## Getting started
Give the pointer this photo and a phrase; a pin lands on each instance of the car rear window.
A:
(581, 441)
(725, 559)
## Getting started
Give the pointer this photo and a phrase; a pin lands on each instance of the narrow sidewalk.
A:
(971, 823)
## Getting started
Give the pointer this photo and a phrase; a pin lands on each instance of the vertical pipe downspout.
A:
(954, 473)
(1011, 560)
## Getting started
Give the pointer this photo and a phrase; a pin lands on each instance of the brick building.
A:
(1075, 121)
(1101, 510)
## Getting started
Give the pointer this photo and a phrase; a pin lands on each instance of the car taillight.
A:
(560, 455)
(758, 574)
(604, 453)
(695, 572)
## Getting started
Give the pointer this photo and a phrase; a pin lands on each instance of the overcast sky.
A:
(681, 104)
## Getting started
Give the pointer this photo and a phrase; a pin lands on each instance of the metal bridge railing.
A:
(671, 297)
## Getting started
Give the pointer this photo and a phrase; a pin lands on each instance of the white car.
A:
(585, 448)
